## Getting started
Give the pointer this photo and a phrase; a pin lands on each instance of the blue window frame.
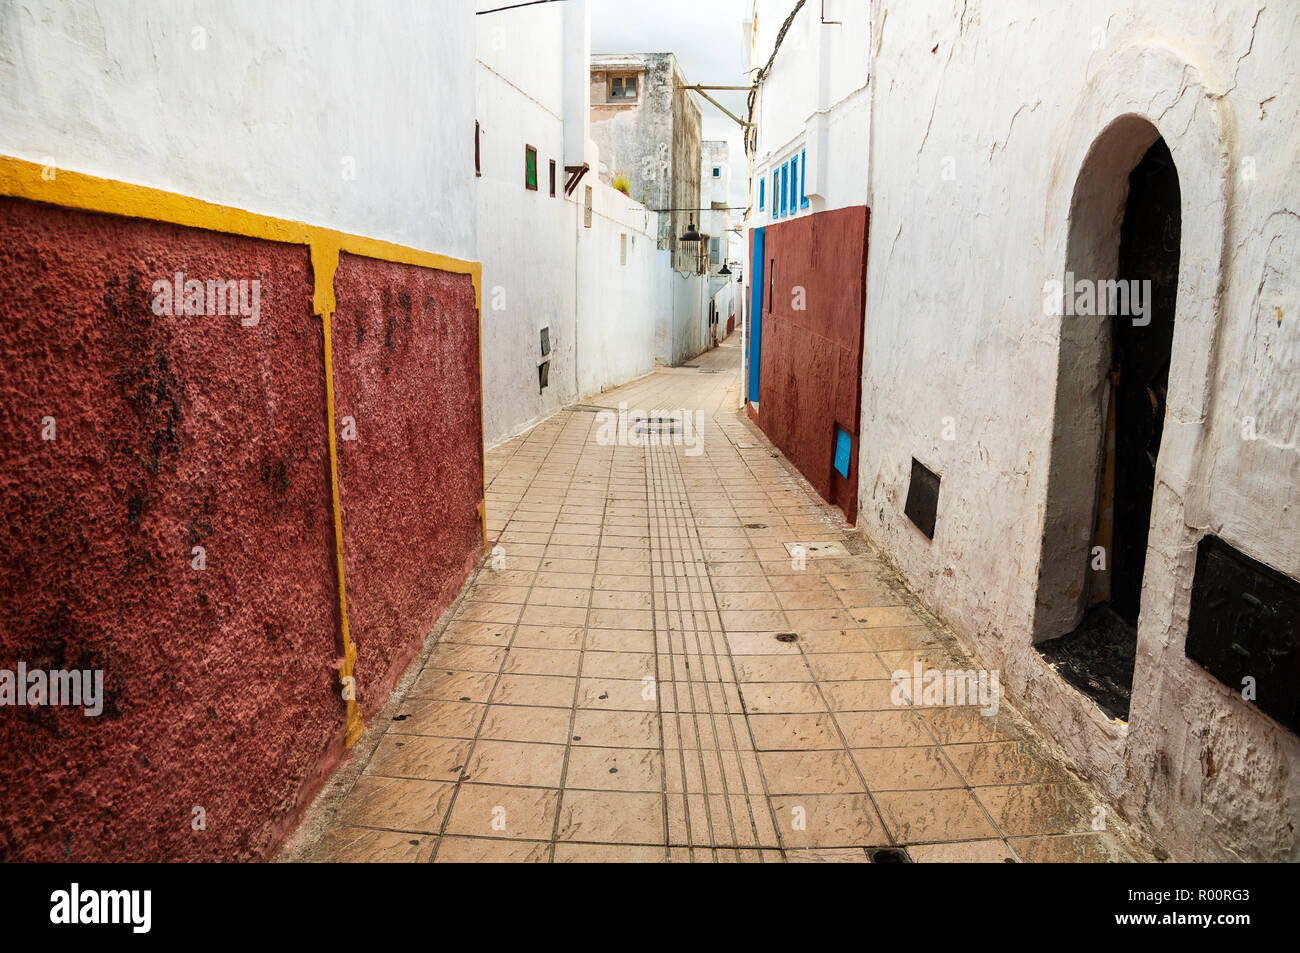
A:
(785, 188)
(794, 183)
(762, 192)
(843, 449)
(803, 179)
(776, 192)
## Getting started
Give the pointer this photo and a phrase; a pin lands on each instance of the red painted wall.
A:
(811, 365)
(406, 370)
(172, 432)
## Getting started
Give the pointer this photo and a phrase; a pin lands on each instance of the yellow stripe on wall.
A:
(37, 183)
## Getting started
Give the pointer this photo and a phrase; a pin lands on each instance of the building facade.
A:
(1034, 460)
(572, 272)
(808, 231)
(647, 129)
(265, 300)
(716, 227)
(237, 264)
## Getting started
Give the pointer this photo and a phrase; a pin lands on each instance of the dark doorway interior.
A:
(1098, 656)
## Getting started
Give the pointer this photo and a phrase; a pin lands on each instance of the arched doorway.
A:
(1118, 302)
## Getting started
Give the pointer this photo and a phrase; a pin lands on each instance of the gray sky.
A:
(707, 39)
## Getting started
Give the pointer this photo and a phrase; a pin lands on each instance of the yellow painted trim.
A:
(27, 180)
(37, 183)
(355, 724)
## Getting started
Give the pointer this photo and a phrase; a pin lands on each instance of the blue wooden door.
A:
(756, 313)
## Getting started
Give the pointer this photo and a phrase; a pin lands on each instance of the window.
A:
(785, 187)
(803, 179)
(530, 168)
(715, 251)
(794, 182)
(622, 88)
(717, 171)
(552, 178)
(762, 193)
(776, 191)
(478, 164)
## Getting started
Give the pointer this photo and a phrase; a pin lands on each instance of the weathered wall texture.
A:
(176, 432)
(684, 194)
(171, 433)
(809, 380)
(311, 110)
(406, 366)
(977, 147)
(637, 140)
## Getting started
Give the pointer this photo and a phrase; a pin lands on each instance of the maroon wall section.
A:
(406, 370)
(172, 432)
(811, 370)
(222, 687)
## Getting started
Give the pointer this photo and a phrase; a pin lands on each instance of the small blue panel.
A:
(843, 443)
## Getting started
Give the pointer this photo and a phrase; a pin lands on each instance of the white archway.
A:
(1141, 93)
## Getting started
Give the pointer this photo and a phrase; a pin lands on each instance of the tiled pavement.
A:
(617, 691)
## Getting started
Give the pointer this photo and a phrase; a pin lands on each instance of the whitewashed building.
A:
(558, 245)
(716, 226)
(1031, 465)
(647, 128)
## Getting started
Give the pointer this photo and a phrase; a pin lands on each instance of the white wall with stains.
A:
(618, 306)
(594, 290)
(526, 237)
(982, 118)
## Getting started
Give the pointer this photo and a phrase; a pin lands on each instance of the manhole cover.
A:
(787, 637)
(890, 855)
(657, 425)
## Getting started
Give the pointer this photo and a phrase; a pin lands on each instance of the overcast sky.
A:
(707, 39)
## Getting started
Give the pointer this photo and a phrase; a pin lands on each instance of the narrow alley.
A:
(649, 676)
(517, 432)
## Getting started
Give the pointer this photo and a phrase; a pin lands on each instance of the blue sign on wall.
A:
(843, 443)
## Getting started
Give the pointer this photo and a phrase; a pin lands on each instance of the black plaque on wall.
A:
(1245, 623)
(922, 506)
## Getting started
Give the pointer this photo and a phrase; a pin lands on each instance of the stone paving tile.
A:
(490, 850)
(648, 676)
(363, 845)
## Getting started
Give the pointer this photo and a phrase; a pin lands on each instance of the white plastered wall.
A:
(356, 116)
(982, 120)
